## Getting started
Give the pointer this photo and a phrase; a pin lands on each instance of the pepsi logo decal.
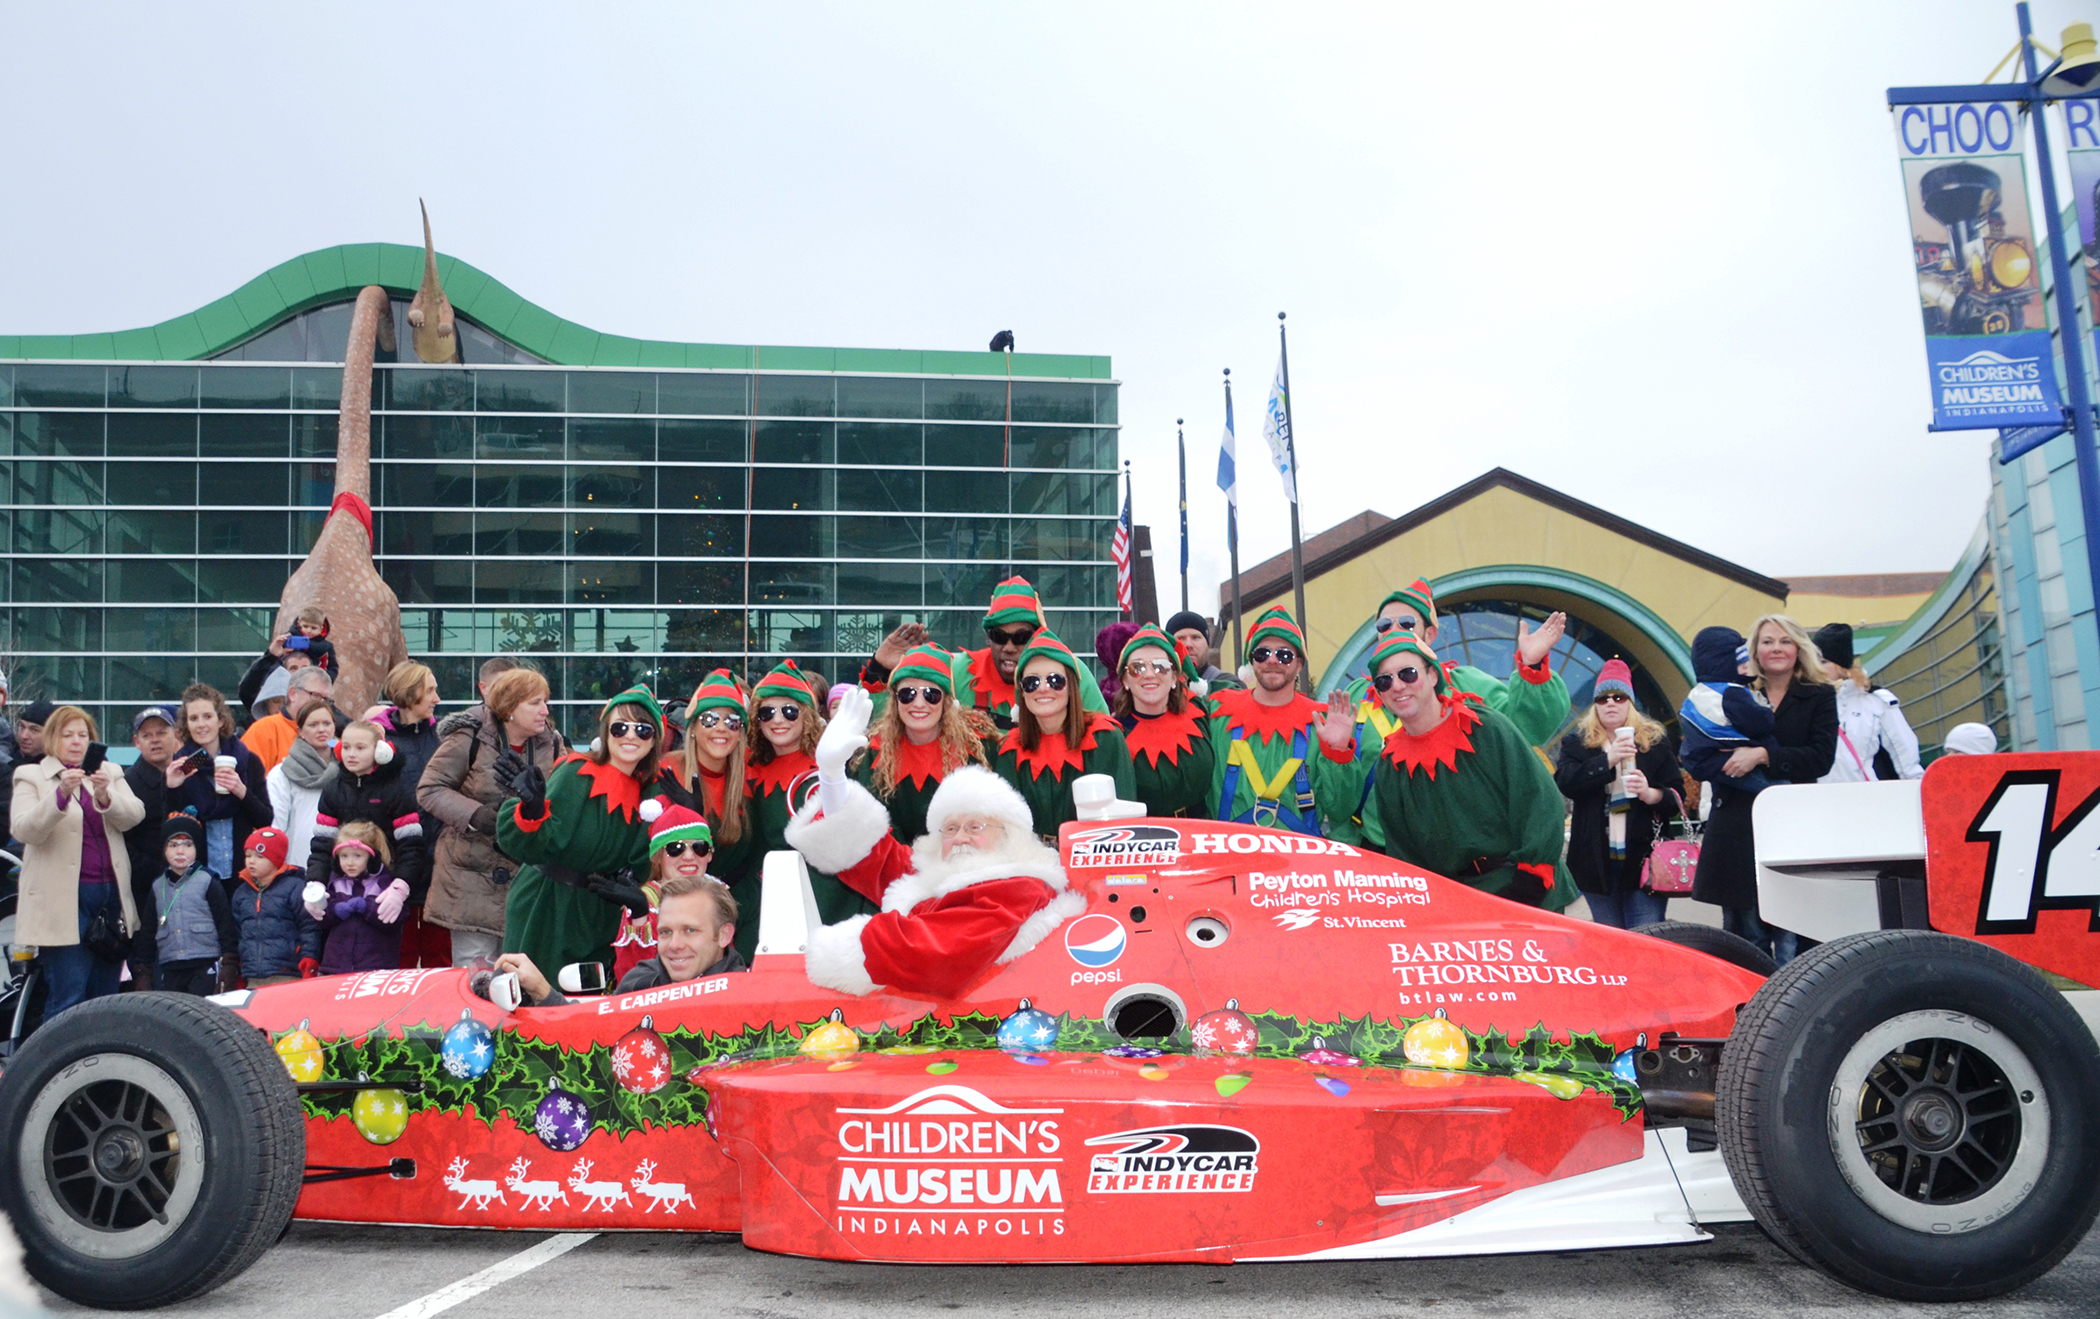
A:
(1096, 940)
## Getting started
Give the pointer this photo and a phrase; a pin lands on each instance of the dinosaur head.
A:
(430, 311)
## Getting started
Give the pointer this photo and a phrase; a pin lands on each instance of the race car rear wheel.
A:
(151, 1147)
(1733, 949)
(1915, 1113)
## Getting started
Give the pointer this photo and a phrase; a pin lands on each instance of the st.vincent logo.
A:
(1298, 918)
(1095, 941)
(1157, 1160)
(1126, 845)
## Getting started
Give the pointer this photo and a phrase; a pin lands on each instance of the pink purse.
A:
(1671, 862)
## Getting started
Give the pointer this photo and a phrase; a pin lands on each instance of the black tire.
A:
(1733, 949)
(176, 1071)
(1834, 1082)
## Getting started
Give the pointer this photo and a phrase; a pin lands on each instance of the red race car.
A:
(1253, 1045)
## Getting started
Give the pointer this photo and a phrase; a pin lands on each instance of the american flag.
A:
(1119, 550)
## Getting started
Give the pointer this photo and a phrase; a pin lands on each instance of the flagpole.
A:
(1130, 546)
(1181, 447)
(1297, 545)
(1232, 540)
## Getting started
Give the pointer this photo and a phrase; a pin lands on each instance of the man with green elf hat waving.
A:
(1011, 621)
(1281, 758)
(1533, 698)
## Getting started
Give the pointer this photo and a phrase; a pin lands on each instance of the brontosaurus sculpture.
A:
(430, 311)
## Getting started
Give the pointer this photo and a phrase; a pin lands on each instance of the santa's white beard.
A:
(1011, 850)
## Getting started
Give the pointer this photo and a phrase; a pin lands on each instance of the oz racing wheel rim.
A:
(1938, 1122)
(111, 1159)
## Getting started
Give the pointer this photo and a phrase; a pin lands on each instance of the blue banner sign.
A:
(1986, 336)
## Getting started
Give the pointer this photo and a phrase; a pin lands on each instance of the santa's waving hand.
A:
(977, 892)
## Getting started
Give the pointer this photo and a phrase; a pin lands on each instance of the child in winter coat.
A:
(279, 941)
(199, 946)
(359, 909)
(1723, 715)
(370, 787)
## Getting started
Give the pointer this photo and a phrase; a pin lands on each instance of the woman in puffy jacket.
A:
(1871, 726)
(480, 751)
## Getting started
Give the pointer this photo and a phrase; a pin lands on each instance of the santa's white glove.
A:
(845, 737)
(392, 899)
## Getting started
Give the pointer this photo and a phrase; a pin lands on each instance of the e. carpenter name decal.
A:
(650, 998)
(1159, 1160)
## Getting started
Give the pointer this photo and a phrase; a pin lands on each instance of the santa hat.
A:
(975, 790)
(1149, 635)
(1407, 643)
(926, 664)
(717, 691)
(274, 844)
(786, 680)
(671, 823)
(1013, 601)
(1276, 622)
(1417, 597)
(1045, 645)
(1615, 676)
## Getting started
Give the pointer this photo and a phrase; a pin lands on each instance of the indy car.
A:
(1253, 1045)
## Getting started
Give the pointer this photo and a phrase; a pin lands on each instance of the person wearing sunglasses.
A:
(1458, 790)
(782, 776)
(1619, 774)
(1534, 698)
(1282, 759)
(578, 834)
(712, 768)
(1011, 621)
(1167, 729)
(921, 735)
(1055, 739)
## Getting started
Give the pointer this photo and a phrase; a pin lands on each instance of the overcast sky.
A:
(1655, 257)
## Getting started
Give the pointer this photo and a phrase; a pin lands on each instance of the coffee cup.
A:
(219, 763)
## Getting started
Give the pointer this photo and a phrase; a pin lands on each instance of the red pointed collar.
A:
(922, 766)
(1263, 722)
(1053, 755)
(622, 791)
(711, 787)
(777, 774)
(1164, 737)
(1438, 746)
(992, 690)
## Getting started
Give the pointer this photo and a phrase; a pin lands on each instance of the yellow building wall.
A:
(1814, 610)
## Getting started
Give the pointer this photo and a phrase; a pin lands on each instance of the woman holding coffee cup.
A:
(219, 778)
(1618, 770)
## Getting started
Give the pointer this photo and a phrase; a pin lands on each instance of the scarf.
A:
(307, 769)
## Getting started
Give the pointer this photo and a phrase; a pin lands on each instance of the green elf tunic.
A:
(592, 826)
(1044, 776)
(1534, 699)
(739, 864)
(1472, 791)
(920, 769)
(776, 790)
(1172, 762)
(1270, 767)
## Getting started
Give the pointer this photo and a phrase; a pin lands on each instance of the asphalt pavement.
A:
(331, 1272)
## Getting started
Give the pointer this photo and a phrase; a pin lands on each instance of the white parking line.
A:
(502, 1271)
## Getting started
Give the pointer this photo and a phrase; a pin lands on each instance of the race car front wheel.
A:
(1915, 1113)
(151, 1147)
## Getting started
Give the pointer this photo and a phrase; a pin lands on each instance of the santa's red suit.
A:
(944, 923)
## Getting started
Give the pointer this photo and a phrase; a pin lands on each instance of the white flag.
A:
(1228, 458)
(1276, 429)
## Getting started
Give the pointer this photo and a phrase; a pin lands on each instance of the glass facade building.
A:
(620, 524)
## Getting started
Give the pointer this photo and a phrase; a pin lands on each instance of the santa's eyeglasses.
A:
(961, 828)
(1406, 676)
(1035, 681)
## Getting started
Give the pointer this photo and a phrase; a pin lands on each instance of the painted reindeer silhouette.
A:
(601, 1194)
(542, 1193)
(480, 1192)
(668, 1195)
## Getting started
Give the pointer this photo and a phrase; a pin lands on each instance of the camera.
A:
(296, 642)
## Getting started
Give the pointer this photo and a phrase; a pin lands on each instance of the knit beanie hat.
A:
(786, 680)
(1835, 641)
(1277, 624)
(183, 824)
(1407, 643)
(1417, 597)
(641, 696)
(1970, 740)
(1615, 676)
(1045, 645)
(38, 712)
(1111, 640)
(1013, 601)
(671, 823)
(838, 690)
(717, 691)
(1150, 635)
(926, 664)
(1186, 619)
(274, 844)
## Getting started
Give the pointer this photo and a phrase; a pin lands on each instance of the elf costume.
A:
(588, 826)
(1171, 759)
(920, 768)
(738, 861)
(1534, 699)
(1270, 766)
(778, 788)
(1044, 776)
(1469, 799)
(1014, 604)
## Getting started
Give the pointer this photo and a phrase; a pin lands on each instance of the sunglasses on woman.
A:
(1406, 676)
(788, 713)
(1609, 698)
(729, 719)
(622, 728)
(1035, 681)
(1279, 654)
(1388, 624)
(1148, 669)
(908, 695)
(678, 848)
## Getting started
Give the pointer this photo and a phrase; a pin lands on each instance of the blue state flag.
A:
(1228, 459)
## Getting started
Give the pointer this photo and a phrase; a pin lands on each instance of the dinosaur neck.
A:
(353, 440)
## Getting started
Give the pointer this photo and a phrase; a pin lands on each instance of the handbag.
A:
(105, 936)
(1671, 862)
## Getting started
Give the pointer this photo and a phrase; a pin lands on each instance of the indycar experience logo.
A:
(1126, 845)
(1155, 1160)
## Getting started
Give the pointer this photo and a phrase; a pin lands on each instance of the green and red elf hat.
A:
(1014, 601)
(1397, 643)
(717, 691)
(786, 680)
(671, 823)
(1046, 646)
(1153, 636)
(1277, 622)
(641, 696)
(1417, 597)
(926, 664)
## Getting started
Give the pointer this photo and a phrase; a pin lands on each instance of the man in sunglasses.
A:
(1533, 698)
(1457, 790)
(1283, 759)
(1011, 621)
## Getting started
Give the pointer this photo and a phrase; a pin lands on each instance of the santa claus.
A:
(979, 890)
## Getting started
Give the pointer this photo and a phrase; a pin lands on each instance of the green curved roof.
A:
(335, 274)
